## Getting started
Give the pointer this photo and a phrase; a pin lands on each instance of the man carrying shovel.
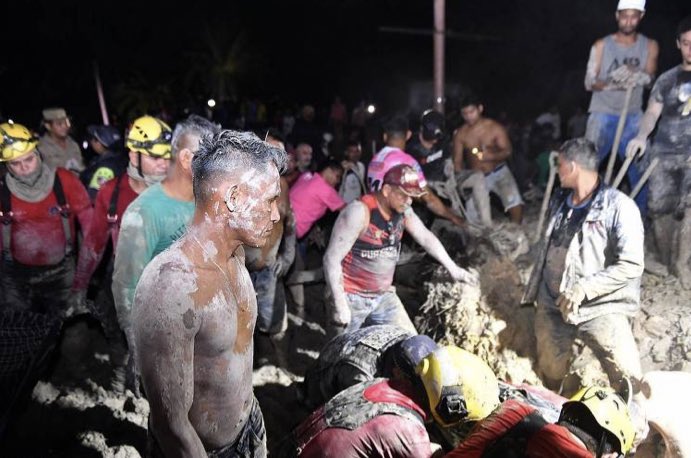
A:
(619, 67)
(670, 182)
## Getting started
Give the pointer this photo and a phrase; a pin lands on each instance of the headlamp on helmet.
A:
(459, 385)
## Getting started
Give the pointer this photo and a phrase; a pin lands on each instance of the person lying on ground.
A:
(387, 418)
(362, 355)
(595, 423)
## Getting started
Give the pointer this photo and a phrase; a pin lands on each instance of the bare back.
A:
(193, 331)
(484, 145)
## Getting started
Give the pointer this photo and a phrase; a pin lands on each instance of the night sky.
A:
(178, 55)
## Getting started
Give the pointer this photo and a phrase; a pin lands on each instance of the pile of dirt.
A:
(485, 319)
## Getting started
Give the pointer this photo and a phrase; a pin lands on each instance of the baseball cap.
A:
(405, 178)
(631, 5)
(53, 114)
(106, 135)
(432, 125)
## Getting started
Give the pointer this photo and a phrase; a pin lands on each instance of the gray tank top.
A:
(613, 56)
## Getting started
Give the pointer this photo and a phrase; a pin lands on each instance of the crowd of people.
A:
(187, 244)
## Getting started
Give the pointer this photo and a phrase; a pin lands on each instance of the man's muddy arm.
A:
(349, 225)
(131, 257)
(592, 84)
(652, 114)
(164, 347)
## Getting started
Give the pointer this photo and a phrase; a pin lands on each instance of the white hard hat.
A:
(631, 5)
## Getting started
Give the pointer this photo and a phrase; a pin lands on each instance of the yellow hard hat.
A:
(607, 408)
(460, 386)
(150, 136)
(15, 141)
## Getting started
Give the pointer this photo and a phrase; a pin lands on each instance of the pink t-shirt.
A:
(385, 159)
(310, 197)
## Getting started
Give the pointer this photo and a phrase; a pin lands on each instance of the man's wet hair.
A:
(330, 163)
(469, 99)
(683, 27)
(195, 126)
(396, 127)
(582, 151)
(228, 152)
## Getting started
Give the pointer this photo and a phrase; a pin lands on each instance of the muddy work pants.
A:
(560, 348)
(37, 289)
(385, 308)
(250, 442)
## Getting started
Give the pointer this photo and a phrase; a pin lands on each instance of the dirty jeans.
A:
(385, 308)
(609, 337)
(670, 185)
(475, 180)
(601, 129)
(37, 289)
(250, 442)
(271, 301)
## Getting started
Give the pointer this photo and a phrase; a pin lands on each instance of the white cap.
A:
(631, 5)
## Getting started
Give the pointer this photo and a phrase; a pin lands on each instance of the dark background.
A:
(172, 56)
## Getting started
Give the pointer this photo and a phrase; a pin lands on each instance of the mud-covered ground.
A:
(74, 413)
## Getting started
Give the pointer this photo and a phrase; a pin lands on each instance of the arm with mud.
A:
(164, 332)
(349, 225)
(433, 246)
(591, 83)
(132, 254)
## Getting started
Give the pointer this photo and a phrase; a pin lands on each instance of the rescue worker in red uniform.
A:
(112, 200)
(39, 208)
(362, 355)
(386, 418)
(595, 423)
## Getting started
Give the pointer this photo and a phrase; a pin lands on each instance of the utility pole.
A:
(99, 93)
(439, 41)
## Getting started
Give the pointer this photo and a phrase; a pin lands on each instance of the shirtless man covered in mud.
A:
(195, 309)
(485, 146)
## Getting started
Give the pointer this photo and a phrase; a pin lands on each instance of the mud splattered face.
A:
(397, 200)
(254, 211)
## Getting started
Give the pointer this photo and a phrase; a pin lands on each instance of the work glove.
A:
(569, 302)
(465, 276)
(636, 147)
